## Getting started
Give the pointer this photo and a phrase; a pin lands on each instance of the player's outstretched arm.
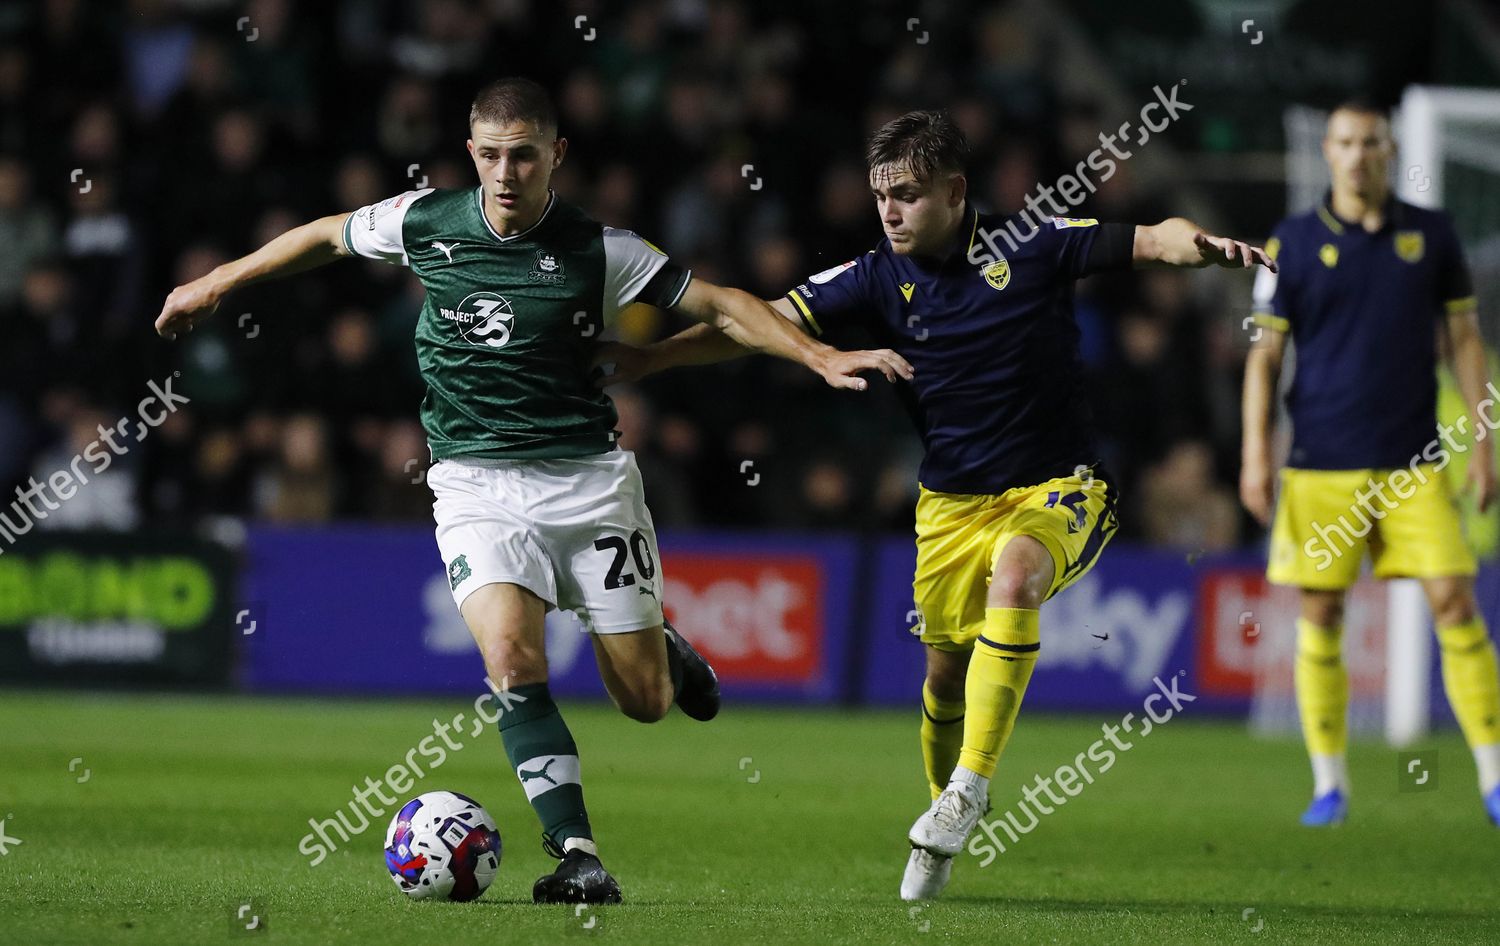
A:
(748, 322)
(695, 345)
(1471, 369)
(1180, 242)
(1258, 417)
(301, 248)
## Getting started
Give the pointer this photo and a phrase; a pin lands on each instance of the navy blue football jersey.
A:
(1363, 310)
(989, 330)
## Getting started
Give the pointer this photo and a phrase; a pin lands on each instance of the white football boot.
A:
(926, 875)
(946, 825)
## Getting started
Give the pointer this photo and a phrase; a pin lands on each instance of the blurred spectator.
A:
(221, 476)
(300, 488)
(106, 259)
(142, 146)
(828, 497)
(1184, 507)
(28, 230)
(399, 493)
(157, 49)
(102, 500)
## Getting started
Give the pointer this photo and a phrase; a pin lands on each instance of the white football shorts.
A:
(576, 533)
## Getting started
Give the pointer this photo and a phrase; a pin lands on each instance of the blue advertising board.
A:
(366, 610)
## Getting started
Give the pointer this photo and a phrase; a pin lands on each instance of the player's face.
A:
(515, 162)
(1358, 148)
(918, 218)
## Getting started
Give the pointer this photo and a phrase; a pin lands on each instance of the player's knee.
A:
(1323, 610)
(947, 688)
(649, 702)
(1452, 606)
(1015, 586)
(510, 663)
(947, 683)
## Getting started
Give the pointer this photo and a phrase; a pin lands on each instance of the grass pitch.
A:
(782, 826)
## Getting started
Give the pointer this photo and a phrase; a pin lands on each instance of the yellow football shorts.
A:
(1325, 519)
(961, 536)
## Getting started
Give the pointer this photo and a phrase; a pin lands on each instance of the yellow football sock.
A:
(941, 738)
(998, 673)
(1322, 689)
(1471, 679)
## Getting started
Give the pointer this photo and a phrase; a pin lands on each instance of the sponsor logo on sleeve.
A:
(1063, 223)
(828, 274)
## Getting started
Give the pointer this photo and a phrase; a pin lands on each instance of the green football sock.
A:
(542, 752)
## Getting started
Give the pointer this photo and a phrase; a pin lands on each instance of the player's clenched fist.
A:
(185, 306)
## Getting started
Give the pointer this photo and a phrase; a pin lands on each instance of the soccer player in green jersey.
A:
(536, 506)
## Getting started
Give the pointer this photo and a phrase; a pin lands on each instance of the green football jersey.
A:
(507, 332)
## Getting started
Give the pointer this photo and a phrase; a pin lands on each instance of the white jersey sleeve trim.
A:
(629, 263)
(1264, 290)
(374, 232)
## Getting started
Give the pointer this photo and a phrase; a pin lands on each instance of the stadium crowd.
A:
(143, 144)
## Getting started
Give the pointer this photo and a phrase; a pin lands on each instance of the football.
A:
(442, 845)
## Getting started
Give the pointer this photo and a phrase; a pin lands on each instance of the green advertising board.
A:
(104, 607)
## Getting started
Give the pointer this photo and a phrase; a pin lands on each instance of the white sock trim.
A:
(1487, 760)
(581, 844)
(1329, 772)
(970, 779)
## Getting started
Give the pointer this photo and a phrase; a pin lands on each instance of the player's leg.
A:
(645, 671)
(507, 622)
(1470, 677)
(942, 732)
(994, 684)
(1040, 540)
(612, 578)
(1322, 685)
(1317, 546)
(954, 534)
(634, 668)
(942, 736)
(1422, 537)
(503, 582)
(1004, 656)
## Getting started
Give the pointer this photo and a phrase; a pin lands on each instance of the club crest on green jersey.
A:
(546, 268)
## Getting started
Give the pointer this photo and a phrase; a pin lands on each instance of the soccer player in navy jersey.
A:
(1366, 284)
(1014, 505)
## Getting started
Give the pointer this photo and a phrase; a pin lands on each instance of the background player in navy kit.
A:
(1366, 284)
(536, 507)
(1013, 506)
